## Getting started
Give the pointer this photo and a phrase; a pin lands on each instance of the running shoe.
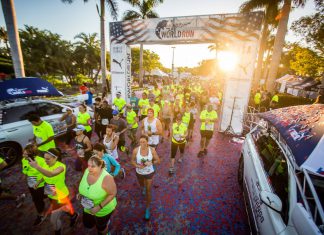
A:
(171, 170)
(20, 200)
(123, 173)
(74, 219)
(39, 220)
(200, 154)
(147, 214)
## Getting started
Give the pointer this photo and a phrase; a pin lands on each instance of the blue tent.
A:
(26, 87)
(302, 128)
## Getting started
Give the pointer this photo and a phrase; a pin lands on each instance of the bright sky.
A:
(69, 20)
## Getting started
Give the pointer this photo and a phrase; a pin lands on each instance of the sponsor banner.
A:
(120, 70)
(240, 26)
(26, 87)
(238, 85)
(235, 101)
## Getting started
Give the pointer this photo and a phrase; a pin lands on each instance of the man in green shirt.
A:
(257, 99)
(274, 101)
(43, 133)
(119, 102)
(208, 118)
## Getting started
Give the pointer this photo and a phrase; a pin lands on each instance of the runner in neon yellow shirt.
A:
(156, 108)
(132, 123)
(43, 133)
(143, 105)
(119, 102)
(179, 134)
(54, 176)
(207, 118)
(84, 119)
(35, 181)
(97, 195)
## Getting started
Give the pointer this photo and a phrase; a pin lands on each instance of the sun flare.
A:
(227, 60)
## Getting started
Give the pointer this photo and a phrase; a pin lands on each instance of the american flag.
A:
(244, 27)
(128, 31)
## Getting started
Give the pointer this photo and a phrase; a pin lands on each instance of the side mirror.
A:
(271, 200)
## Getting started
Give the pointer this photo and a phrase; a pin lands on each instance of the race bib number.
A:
(87, 203)
(38, 140)
(50, 189)
(80, 152)
(178, 137)
(104, 121)
(209, 126)
(31, 181)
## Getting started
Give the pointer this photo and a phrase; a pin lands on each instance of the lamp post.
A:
(173, 61)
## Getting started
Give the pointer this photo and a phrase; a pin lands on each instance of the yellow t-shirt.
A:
(275, 98)
(209, 126)
(131, 119)
(119, 103)
(83, 119)
(257, 98)
(143, 105)
(42, 133)
(156, 109)
(178, 133)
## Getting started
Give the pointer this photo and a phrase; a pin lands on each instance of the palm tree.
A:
(145, 10)
(112, 6)
(280, 40)
(88, 50)
(280, 35)
(9, 13)
(271, 11)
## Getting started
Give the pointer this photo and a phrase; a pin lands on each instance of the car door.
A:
(271, 171)
(51, 113)
(15, 126)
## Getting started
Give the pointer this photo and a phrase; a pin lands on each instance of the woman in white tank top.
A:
(111, 141)
(143, 158)
(152, 127)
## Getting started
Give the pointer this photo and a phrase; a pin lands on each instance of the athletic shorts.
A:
(207, 134)
(89, 221)
(154, 145)
(149, 176)
(174, 148)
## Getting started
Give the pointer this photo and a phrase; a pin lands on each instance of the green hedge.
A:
(286, 100)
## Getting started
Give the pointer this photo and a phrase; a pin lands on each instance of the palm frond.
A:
(251, 5)
(113, 8)
(131, 15)
(152, 14)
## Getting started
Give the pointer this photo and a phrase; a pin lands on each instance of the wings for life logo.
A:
(19, 91)
(43, 90)
(166, 29)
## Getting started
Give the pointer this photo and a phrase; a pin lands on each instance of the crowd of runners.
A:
(165, 113)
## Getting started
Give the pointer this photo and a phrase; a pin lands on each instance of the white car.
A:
(16, 130)
(281, 170)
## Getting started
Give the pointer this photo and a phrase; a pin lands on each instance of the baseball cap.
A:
(79, 128)
(118, 93)
(115, 112)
